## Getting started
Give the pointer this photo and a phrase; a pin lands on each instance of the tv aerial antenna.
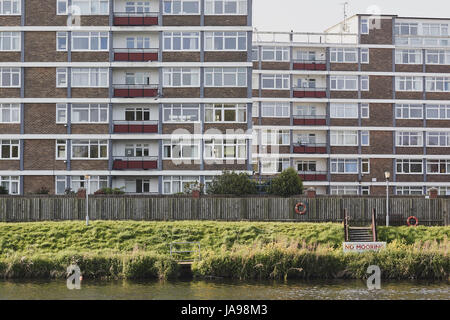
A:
(345, 27)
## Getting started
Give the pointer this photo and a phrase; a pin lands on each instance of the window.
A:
(180, 7)
(177, 184)
(438, 56)
(348, 166)
(181, 77)
(365, 112)
(181, 112)
(365, 83)
(344, 110)
(138, 42)
(89, 149)
(274, 166)
(276, 137)
(132, 78)
(435, 29)
(307, 166)
(255, 54)
(9, 149)
(306, 56)
(409, 166)
(364, 55)
(90, 41)
(225, 77)
(275, 81)
(406, 28)
(344, 83)
(61, 77)
(409, 111)
(407, 191)
(438, 139)
(84, 7)
(275, 53)
(137, 150)
(10, 77)
(344, 138)
(9, 7)
(10, 183)
(408, 83)
(438, 84)
(9, 113)
(409, 139)
(305, 111)
(137, 7)
(408, 56)
(89, 113)
(226, 7)
(61, 113)
(10, 41)
(365, 190)
(343, 55)
(436, 111)
(364, 26)
(275, 109)
(181, 149)
(228, 41)
(137, 114)
(365, 138)
(438, 166)
(90, 77)
(181, 41)
(306, 138)
(61, 148)
(365, 166)
(61, 41)
(225, 149)
(95, 183)
(61, 184)
(343, 190)
(226, 113)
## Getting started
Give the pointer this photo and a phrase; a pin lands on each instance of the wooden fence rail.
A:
(153, 208)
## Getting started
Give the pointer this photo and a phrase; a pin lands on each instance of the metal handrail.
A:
(134, 86)
(135, 50)
(309, 116)
(172, 251)
(139, 122)
(135, 14)
(312, 172)
(125, 158)
(308, 88)
(300, 144)
(309, 61)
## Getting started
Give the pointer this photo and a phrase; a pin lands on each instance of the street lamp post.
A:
(387, 175)
(87, 199)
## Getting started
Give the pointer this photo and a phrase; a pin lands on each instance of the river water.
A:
(221, 289)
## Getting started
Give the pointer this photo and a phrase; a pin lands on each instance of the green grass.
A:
(126, 236)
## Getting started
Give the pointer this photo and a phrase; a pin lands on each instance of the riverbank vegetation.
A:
(243, 250)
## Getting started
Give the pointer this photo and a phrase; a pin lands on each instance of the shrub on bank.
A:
(287, 184)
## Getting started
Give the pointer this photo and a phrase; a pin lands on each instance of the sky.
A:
(318, 15)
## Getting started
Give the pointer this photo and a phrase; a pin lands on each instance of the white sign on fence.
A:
(363, 246)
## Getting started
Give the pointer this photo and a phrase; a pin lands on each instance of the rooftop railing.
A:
(261, 37)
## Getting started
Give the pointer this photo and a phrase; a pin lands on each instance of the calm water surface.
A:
(211, 290)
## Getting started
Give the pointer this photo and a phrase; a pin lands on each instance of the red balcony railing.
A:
(318, 65)
(125, 54)
(310, 120)
(140, 163)
(310, 92)
(135, 90)
(313, 176)
(135, 126)
(310, 148)
(135, 19)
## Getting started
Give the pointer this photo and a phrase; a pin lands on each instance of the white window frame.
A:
(182, 181)
(64, 36)
(137, 6)
(143, 111)
(282, 79)
(342, 83)
(340, 166)
(412, 28)
(170, 73)
(443, 139)
(178, 145)
(95, 183)
(364, 55)
(11, 183)
(344, 110)
(443, 111)
(14, 74)
(182, 117)
(409, 84)
(12, 38)
(404, 56)
(15, 8)
(409, 190)
(60, 180)
(365, 111)
(443, 57)
(364, 26)
(13, 111)
(100, 72)
(403, 111)
(241, 7)
(89, 144)
(275, 137)
(182, 6)
(445, 164)
(172, 37)
(365, 163)
(90, 108)
(60, 144)
(239, 146)
(344, 190)
(405, 166)
(224, 38)
(76, 9)
(365, 134)
(61, 112)
(280, 54)
(346, 136)
(238, 74)
(279, 109)
(274, 166)
(14, 147)
(61, 77)
(364, 83)
(240, 112)
(92, 37)
(437, 84)
(341, 55)
(401, 135)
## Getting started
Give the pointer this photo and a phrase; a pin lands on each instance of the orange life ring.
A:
(408, 221)
(300, 204)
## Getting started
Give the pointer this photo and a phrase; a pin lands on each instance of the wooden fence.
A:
(320, 209)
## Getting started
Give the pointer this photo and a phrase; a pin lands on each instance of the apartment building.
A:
(368, 96)
(127, 94)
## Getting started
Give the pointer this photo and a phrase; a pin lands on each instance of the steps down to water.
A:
(360, 234)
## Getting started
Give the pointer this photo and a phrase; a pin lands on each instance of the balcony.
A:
(313, 176)
(310, 148)
(125, 54)
(315, 65)
(135, 90)
(310, 120)
(310, 92)
(135, 126)
(133, 163)
(136, 19)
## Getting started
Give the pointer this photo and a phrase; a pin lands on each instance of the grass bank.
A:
(244, 250)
